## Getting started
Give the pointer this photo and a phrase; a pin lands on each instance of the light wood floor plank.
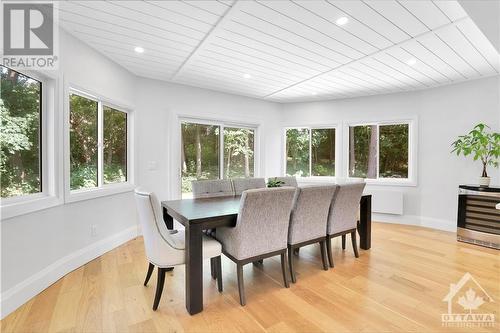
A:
(397, 286)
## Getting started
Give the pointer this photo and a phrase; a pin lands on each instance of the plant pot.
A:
(484, 181)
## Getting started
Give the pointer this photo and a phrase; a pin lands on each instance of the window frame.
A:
(412, 123)
(101, 189)
(311, 128)
(221, 124)
(50, 151)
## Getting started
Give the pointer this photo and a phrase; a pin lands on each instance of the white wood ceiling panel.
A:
(275, 31)
(451, 9)
(266, 12)
(394, 12)
(272, 43)
(466, 50)
(330, 13)
(426, 12)
(253, 46)
(448, 54)
(314, 21)
(183, 9)
(108, 12)
(71, 19)
(361, 12)
(476, 38)
(288, 50)
(424, 55)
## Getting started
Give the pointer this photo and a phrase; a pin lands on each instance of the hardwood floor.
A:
(397, 286)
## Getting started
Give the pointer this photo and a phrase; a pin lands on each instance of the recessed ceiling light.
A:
(247, 76)
(342, 20)
(411, 61)
(139, 49)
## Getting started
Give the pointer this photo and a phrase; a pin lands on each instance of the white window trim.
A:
(412, 151)
(102, 189)
(222, 123)
(51, 157)
(338, 148)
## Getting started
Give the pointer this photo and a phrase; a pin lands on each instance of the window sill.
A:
(376, 182)
(27, 205)
(106, 190)
(391, 182)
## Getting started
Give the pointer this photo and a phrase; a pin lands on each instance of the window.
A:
(379, 151)
(310, 152)
(20, 137)
(98, 143)
(215, 151)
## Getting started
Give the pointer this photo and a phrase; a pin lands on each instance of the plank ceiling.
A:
(288, 51)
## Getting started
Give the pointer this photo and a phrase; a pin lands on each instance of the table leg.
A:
(169, 221)
(194, 269)
(365, 222)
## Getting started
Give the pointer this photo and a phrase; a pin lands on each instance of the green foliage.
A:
(482, 144)
(275, 182)
(323, 152)
(19, 134)
(297, 152)
(393, 151)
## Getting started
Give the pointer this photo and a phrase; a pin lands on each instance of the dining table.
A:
(197, 215)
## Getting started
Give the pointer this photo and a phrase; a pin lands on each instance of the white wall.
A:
(159, 106)
(60, 236)
(443, 114)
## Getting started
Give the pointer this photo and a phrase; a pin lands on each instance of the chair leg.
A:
(322, 245)
(283, 269)
(343, 242)
(354, 244)
(241, 287)
(159, 287)
(329, 250)
(213, 271)
(290, 264)
(151, 268)
(218, 269)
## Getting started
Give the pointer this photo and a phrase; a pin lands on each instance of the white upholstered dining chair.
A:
(165, 248)
(212, 188)
(243, 184)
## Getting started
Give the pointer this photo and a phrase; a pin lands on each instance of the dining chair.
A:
(212, 188)
(261, 230)
(308, 221)
(165, 248)
(343, 216)
(288, 181)
(243, 184)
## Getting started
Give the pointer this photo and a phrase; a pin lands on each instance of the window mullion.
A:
(310, 152)
(378, 150)
(100, 138)
(221, 151)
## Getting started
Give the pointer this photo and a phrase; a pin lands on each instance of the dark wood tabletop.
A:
(200, 214)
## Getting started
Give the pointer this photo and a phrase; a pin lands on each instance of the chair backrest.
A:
(157, 239)
(262, 223)
(344, 208)
(310, 213)
(243, 184)
(212, 188)
(288, 181)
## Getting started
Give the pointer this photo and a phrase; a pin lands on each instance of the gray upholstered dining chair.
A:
(261, 230)
(243, 184)
(288, 181)
(212, 188)
(164, 248)
(308, 220)
(343, 216)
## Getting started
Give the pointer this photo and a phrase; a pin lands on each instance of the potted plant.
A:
(275, 182)
(483, 144)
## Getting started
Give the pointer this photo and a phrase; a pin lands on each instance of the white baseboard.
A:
(19, 294)
(421, 221)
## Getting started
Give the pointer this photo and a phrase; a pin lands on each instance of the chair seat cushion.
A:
(211, 247)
